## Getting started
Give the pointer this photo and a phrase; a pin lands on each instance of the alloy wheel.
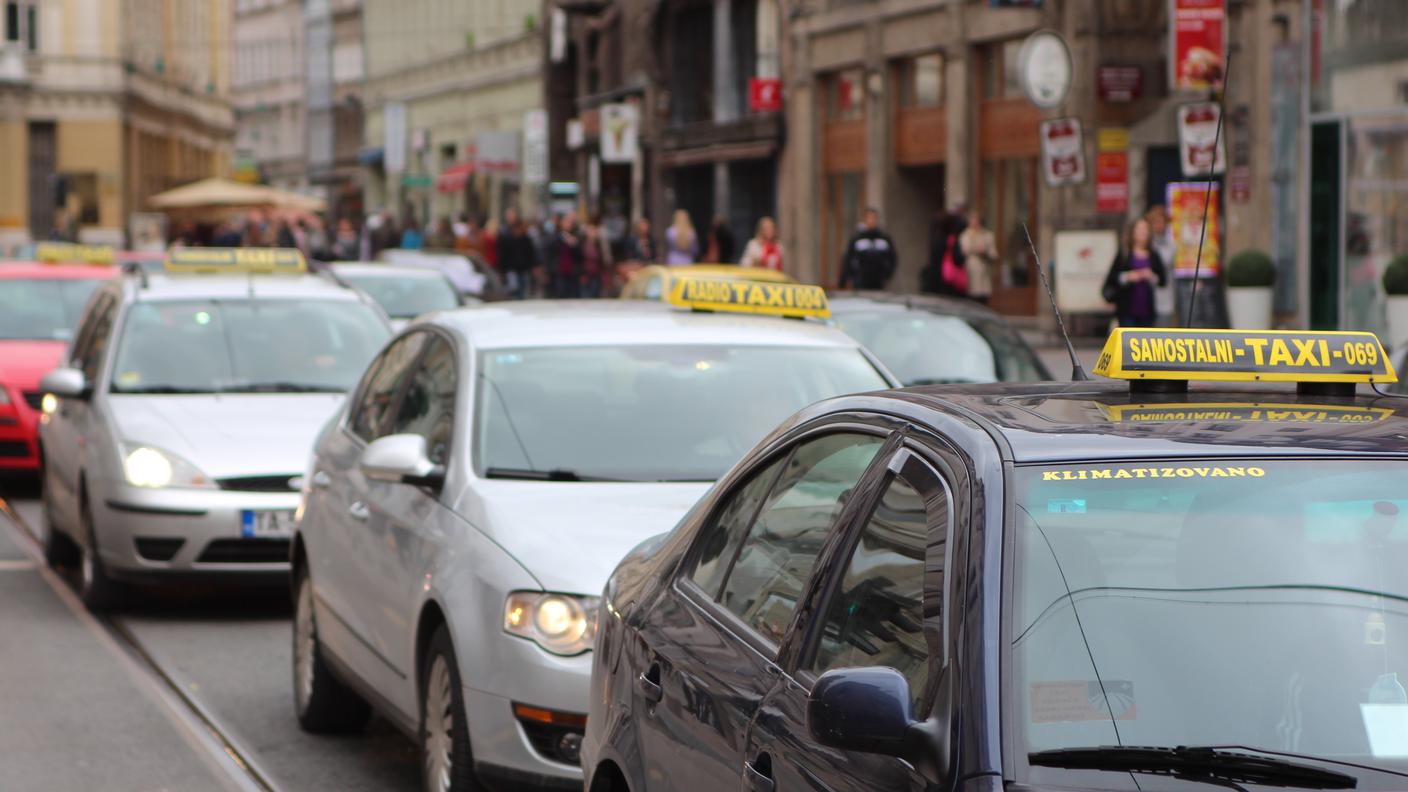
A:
(439, 726)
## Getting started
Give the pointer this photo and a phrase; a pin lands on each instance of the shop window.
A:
(846, 95)
(1000, 71)
(921, 81)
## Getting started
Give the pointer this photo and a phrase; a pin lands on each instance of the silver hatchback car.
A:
(183, 419)
(494, 465)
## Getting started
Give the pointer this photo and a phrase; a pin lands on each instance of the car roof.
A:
(888, 302)
(627, 322)
(204, 286)
(1055, 422)
(371, 269)
(31, 270)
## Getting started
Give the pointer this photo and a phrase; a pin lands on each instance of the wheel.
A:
(98, 591)
(59, 550)
(446, 762)
(324, 705)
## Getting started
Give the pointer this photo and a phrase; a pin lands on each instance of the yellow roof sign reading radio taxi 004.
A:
(69, 253)
(237, 260)
(1244, 356)
(776, 299)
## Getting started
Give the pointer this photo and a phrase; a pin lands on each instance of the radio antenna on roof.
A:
(1207, 197)
(1077, 373)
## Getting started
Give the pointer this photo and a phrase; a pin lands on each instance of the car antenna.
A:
(1077, 373)
(1207, 197)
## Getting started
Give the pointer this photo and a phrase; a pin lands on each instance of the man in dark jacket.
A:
(870, 257)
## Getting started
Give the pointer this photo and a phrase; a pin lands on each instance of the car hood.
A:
(24, 363)
(229, 434)
(571, 535)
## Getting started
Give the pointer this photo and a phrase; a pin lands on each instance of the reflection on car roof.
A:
(189, 287)
(368, 269)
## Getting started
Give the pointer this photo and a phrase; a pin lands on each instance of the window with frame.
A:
(845, 95)
(776, 557)
(879, 611)
(428, 406)
(921, 81)
(1000, 70)
(370, 415)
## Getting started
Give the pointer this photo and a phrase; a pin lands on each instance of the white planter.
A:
(1396, 306)
(1249, 307)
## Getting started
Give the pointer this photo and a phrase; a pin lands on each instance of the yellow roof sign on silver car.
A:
(70, 253)
(236, 260)
(795, 300)
(1244, 356)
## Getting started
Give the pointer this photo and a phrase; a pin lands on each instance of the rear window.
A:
(42, 310)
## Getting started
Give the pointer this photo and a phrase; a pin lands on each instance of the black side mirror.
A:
(868, 710)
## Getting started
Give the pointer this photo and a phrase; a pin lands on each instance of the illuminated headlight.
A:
(144, 466)
(48, 403)
(560, 623)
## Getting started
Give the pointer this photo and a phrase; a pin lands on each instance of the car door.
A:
(75, 422)
(338, 542)
(707, 651)
(408, 524)
(879, 601)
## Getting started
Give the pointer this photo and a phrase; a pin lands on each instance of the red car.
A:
(39, 309)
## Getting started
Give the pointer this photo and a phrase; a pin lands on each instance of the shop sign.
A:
(1119, 83)
(765, 94)
(394, 133)
(620, 124)
(535, 146)
(1112, 171)
(1239, 184)
(576, 134)
(496, 152)
(1082, 261)
(1044, 68)
(1062, 151)
(1198, 40)
(1197, 135)
(1186, 201)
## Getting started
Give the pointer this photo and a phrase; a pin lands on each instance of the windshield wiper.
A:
(160, 389)
(526, 474)
(280, 387)
(1209, 765)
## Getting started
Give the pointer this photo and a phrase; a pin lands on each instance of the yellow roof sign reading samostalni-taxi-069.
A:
(236, 260)
(1136, 353)
(70, 253)
(797, 300)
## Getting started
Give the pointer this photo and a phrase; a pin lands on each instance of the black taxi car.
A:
(1086, 585)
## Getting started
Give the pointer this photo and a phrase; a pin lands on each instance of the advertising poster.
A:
(1062, 151)
(619, 131)
(1082, 261)
(1198, 44)
(1197, 136)
(765, 94)
(1112, 171)
(1185, 204)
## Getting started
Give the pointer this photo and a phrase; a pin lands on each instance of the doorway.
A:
(43, 151)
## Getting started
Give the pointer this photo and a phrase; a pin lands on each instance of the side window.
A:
(428, 406)
(369, 418)
(89, 356)
(776, 558)
(721, 539)
(877, 615)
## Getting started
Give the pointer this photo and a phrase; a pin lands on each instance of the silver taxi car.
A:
(175, 433)
(467, 505)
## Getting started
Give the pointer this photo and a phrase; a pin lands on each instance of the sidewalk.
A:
(75, 712)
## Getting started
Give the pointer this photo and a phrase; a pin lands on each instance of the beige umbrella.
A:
(211, 193)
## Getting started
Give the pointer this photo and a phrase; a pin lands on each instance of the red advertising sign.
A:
(1199, 33)
(1063, 153)
(1119, 83)
(1202, 147)
(1112, 182)
(764, 94)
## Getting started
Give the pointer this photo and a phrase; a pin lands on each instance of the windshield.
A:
(1254, 603)
(204, 346)
(672, 413)
(42, 310)
(406, 297)
(923, 348)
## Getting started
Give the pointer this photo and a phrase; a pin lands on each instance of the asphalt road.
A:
(227, 651)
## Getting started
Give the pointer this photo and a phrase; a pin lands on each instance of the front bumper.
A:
(19, 435)
(164, 534)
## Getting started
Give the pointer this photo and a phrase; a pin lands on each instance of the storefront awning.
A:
(454, 178)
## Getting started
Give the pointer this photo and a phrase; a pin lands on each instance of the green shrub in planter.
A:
(1396, 276)
(1251, 268)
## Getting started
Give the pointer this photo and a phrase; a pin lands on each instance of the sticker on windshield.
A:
(129, 378)
(1065, 506)
(1069, 702)
(1387, 728)
(1088, 474)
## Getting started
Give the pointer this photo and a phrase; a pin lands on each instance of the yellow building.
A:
(102, 104)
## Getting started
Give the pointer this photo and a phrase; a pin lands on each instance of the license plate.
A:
(266, 524)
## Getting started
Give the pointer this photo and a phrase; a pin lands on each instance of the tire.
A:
(59, 550)
(447, 765)
(324, 705)
(99, 592)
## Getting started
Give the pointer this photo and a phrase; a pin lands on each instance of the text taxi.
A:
(185, 413)
(1017, 586)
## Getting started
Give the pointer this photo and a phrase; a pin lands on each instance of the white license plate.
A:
(276, 524)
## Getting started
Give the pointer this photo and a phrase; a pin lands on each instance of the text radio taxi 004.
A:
(778, 299)
(236, 260)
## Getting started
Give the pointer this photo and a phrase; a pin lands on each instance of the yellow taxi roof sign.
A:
(797, 300)
(70, 253)
(238, 260)
(1137, 353)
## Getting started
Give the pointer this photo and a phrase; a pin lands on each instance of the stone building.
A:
(269, 92)
(333, 87)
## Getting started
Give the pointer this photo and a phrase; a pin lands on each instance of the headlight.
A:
(560, 623)
(48, 404)
(144, 466)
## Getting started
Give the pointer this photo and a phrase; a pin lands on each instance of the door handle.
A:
(648, 683)
(755, 780)
(321, 480)
(359, 511)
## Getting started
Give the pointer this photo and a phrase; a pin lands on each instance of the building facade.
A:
(104, 103)
(333, 90)
(448, 88)
(271, 59)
